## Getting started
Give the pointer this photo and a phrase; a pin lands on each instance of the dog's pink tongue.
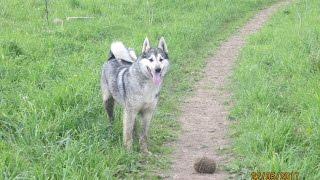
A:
(157, 79)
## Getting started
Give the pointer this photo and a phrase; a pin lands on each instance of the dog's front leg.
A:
(146, 118)
(128, 126)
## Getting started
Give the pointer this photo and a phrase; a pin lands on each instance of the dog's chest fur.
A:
(149, 95)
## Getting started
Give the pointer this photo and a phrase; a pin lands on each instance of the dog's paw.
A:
(146, 152)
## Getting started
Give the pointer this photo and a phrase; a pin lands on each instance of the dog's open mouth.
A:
(156, 76)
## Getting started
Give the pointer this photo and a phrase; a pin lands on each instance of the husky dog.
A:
(135, 84)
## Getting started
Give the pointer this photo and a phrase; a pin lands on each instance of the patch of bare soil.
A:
(204, 118)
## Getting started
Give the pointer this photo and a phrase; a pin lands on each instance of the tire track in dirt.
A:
(204, 118)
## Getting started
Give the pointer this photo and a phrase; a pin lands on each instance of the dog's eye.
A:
(160, 59)
(150, 59)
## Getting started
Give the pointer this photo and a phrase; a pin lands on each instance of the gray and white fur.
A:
(135, 84)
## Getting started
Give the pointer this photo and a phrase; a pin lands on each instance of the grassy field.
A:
(52, 123)
(277, 95)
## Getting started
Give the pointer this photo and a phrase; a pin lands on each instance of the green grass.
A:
(52, 123)
(277, 95)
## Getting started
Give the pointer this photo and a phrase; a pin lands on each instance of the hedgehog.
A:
(205, 165)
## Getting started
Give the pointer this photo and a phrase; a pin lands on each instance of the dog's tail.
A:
(120, 52)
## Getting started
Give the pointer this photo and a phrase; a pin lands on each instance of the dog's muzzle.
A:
(158, 70)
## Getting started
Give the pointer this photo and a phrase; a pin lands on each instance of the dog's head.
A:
(154, 62)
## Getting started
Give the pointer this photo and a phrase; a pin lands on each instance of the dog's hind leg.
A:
(109, 106)
(108, 100)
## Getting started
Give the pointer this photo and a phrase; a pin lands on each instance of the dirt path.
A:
(204, 116)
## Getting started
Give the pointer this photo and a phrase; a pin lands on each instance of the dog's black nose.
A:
(158, 70)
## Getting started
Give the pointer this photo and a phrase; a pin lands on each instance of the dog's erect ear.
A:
(162, 45)
(146, 45)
